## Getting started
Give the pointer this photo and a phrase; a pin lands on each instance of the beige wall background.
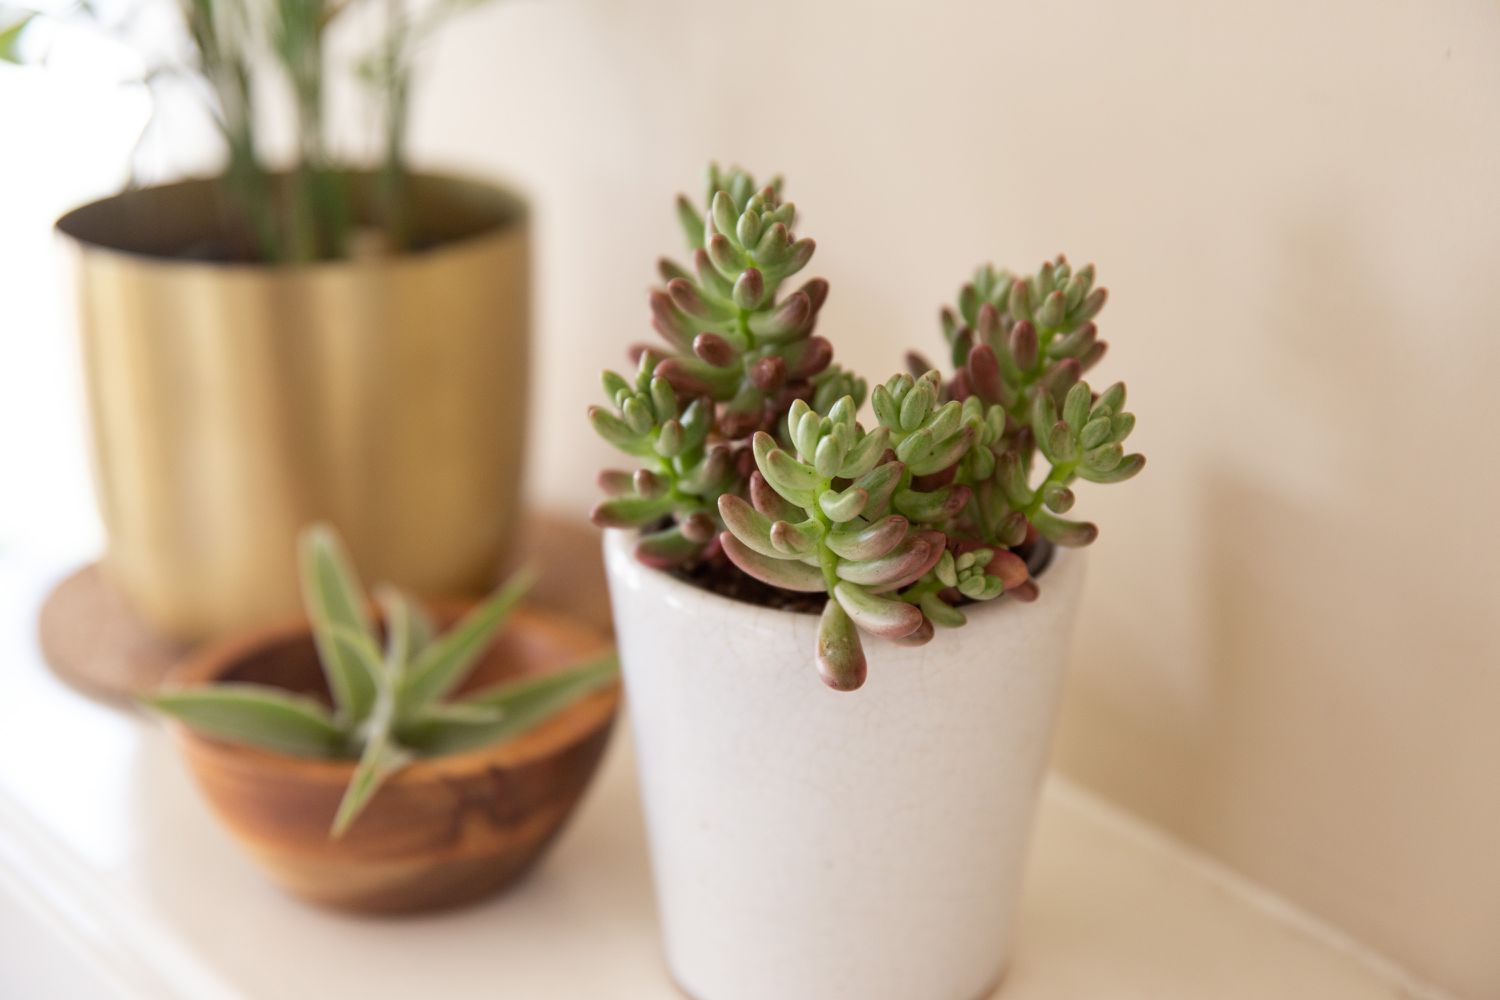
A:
(1289, 653)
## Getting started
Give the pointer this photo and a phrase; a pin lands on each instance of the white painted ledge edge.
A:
(107, 852)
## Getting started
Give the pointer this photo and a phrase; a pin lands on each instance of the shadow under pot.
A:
(233, 401)
(442, 832)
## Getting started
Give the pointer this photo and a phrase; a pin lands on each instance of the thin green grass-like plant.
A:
(242, 50)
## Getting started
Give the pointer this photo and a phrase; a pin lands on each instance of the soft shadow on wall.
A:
(1321, 681)
(1286, 655)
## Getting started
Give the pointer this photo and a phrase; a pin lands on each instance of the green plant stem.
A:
(976, 510)
(828, 560)
(684, 503)
(393, 171)
(1059, 475)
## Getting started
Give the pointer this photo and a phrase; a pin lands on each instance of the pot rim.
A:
(617, 545)
(85, 225)
(217, 658)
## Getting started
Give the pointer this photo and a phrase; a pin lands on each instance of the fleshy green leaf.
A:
(793, 480)
(940, 612)
(1076, 405)
(691, 222)
(906, 559)
(334, 600)
(630, 511)
(789, 574)
(666, 548)
(862, 541)
(841, 656)
(880, 615)
(1127, 467)
(748, 525)
(1073, 534)
(843, 506)
(256, 715)
(442, 666)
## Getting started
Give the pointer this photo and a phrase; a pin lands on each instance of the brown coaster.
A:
(93, 640)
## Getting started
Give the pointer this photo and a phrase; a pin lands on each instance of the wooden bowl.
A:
(443, 832)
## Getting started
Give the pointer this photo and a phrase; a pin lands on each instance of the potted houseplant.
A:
(427, 775)
(838, 778)
(247, 337)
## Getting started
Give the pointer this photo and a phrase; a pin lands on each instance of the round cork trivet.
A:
(94, 642)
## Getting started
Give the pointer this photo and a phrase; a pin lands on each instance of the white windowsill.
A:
(114, 876)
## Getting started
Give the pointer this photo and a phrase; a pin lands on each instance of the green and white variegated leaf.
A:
(360, 653)
(255, 715)
(408, 630)
(334, 600)
(507, 710)
(381, 759)
(443, 665)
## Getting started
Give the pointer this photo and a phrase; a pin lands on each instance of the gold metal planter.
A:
(233, 403)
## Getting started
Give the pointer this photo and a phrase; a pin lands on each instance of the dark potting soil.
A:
(718, 576)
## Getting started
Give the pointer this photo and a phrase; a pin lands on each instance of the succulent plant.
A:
(737, 352)
(935, 507)
(390, 706)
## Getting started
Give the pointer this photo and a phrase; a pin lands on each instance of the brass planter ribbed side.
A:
(231, 403)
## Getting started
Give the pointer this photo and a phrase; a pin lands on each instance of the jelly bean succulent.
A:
(755, 459)
(390, 706)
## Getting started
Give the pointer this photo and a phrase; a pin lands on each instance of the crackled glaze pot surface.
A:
(813, 844)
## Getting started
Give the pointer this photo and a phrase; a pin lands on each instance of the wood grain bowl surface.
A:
(443, 832)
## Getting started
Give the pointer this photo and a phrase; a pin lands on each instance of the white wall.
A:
(1288, 653)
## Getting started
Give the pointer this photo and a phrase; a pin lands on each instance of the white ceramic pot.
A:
(814, 844)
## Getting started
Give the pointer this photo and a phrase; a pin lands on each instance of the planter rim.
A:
(216, 658)
(617, 544)
(88, 226)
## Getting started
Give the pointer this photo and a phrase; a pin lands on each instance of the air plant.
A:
(937, 506)
(390, 706)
